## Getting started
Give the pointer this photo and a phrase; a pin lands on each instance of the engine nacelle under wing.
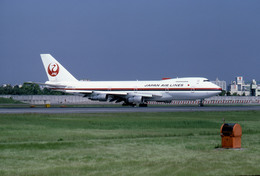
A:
(99, 97)
(135, 99)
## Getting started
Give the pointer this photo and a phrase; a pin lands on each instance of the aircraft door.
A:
(136, 89)
(167, 90)
(192, 89)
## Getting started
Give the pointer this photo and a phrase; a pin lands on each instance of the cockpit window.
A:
(206, 80)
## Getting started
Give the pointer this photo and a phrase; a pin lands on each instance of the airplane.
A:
(129, 92)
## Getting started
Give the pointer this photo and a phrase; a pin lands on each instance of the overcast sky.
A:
(130, 40)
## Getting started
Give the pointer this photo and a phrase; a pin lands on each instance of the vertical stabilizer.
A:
(55, 71)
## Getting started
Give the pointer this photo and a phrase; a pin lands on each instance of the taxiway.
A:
(126, 109)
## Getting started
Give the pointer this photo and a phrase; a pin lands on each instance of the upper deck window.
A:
(206, 80)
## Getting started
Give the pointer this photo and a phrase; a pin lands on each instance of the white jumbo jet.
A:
(129, 92)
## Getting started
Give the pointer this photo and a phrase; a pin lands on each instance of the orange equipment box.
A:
(231, 135)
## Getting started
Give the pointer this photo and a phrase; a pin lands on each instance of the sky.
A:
(130, 39)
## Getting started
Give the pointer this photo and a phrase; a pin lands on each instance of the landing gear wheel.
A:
(143, 105)
(129, 104)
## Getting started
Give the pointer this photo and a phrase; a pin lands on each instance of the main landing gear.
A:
(129, 104)
(134, 105)
(143, 105)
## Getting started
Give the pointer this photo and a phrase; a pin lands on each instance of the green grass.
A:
(177, 143)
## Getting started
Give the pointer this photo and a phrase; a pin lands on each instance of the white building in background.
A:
(254, 89)
(240, 88)
(221, 84)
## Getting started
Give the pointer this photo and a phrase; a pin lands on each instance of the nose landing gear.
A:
(201, 104)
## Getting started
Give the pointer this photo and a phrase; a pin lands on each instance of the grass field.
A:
(177, 143)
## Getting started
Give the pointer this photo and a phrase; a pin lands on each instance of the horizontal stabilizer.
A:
(50, 85)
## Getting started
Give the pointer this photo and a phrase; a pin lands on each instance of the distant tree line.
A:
(27, 89)
(225, 93)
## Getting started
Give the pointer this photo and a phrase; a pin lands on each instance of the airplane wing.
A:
(143, 95)
(148, 95)
(110, 93)
(80, 91)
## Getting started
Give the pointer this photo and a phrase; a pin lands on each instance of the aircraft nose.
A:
(218, 88)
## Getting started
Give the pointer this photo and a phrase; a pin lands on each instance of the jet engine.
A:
(99, 97)
(135, 99)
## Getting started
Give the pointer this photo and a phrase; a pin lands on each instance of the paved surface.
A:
(126, 109)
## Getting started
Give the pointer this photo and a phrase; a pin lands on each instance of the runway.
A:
(126, 109)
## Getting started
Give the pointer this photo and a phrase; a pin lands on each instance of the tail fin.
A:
(55, 71)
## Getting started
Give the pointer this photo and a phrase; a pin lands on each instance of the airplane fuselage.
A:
(163, 90)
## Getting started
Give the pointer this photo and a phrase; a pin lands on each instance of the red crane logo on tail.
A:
(53, 69)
